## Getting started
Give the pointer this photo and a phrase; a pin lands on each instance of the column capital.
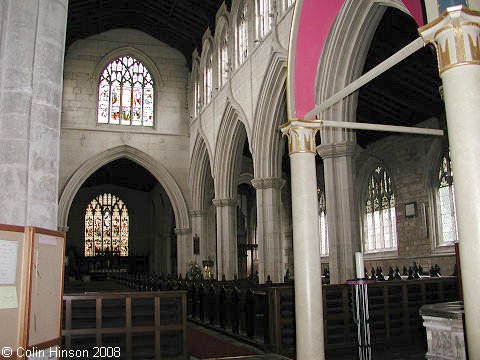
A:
(456, 37)
(224, 202)
(268, 183)
(334, 150)
(184, 231)
(197, 213)
(301, 135)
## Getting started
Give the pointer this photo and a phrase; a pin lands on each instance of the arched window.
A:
(447, 223)
(208, 80)
(125, 93)
(223, 59)
(380, 223)
(242, 33)
(322, 222)
(106, 226)
(263, 22)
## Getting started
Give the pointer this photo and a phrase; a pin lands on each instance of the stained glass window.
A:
(125, 93)
(224, 59)
(263, 17)
(380, 225)
(106, 226)
(243, 34)
(322, 222)
(208, 81)
(446, 203)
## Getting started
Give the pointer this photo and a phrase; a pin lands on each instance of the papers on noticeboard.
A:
(8, 297)
(8, 262)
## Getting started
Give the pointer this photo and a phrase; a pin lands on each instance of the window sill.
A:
(389, 254)
(444, 249)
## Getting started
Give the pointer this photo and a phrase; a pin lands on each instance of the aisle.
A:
(207, 344)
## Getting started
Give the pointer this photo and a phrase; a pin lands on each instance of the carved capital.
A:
(224, 202)
(336, 150)
(268, 183)
(184, 231)
(456, 36)
(301, 137)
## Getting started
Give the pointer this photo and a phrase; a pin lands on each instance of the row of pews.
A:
(151, 318)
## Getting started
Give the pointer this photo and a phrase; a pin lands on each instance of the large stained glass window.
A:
(446, 203)
(106, 226)
(125, 93)
(380, 223)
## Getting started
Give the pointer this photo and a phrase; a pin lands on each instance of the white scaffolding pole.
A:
(367, 77)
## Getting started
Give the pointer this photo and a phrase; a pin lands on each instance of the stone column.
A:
(269, 230)
(342, 219)
(184, 250)
(226, 261)
(31, 72)
(456, 35)
(306, 243)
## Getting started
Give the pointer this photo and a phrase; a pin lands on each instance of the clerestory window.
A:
(242, 33)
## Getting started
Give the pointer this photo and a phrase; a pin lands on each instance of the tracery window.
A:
(106, 226)
(208, 80)
(263, 17)
(125, 93)
(224, 59)
(243, 33)
(322, 223)
(380, 223)
(446, 203)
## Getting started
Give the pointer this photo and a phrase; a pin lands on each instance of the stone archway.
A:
(162, 175)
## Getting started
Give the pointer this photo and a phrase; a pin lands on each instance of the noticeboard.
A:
(31, 286)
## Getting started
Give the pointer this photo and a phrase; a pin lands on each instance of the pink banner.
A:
(311, 25)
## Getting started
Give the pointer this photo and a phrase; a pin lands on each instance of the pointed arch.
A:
(269, 116)
(200, 168)
(159, 171)
(345, 52)
(228, 152)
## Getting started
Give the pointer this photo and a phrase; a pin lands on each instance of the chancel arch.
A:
(158, 171)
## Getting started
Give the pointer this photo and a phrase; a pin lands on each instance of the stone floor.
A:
(405, 352)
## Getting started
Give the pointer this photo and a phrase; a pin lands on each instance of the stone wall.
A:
(412, 162)
(82, 138)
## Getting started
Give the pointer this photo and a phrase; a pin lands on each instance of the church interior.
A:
(206, 215)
